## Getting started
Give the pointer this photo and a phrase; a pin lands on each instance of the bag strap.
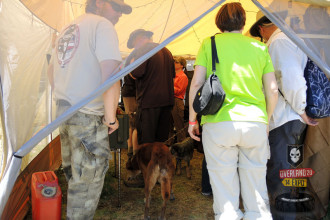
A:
(215, 58)
(281, 94)
(284, 98)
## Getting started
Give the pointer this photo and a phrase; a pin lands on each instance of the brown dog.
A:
(155, 162)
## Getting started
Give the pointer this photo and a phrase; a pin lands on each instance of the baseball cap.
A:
(123, 7)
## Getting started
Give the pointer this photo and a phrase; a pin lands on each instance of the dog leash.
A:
(173, 136)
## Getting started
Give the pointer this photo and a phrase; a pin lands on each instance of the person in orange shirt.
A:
(180, 86)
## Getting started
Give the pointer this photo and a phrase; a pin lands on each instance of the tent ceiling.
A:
(166, 18)
(324, 3)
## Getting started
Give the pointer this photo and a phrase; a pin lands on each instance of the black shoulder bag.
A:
(210, 97)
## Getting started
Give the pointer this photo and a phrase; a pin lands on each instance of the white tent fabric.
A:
(307, 25)
(24, 44)
(25, 41)
(151, 15)
(6, 182)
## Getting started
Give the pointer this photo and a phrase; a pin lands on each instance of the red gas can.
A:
(46, 196)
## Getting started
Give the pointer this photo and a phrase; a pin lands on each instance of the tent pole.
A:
(50, 111)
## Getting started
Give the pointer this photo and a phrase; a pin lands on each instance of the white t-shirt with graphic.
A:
(80, 48)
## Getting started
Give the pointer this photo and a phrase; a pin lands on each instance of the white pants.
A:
(243, 145)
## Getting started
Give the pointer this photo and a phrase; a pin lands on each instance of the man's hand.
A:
(112, 127)
(308, 120)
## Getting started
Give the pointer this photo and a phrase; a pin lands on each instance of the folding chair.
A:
(118, 141)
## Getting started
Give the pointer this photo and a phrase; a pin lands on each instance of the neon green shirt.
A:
(242, 63)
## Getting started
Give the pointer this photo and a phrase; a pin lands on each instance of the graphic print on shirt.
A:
(295, 154)
(67, 44)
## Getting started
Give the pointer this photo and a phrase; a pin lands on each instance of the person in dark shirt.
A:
(128, 91)
(154, 91)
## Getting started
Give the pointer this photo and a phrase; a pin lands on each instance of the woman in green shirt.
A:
(235, 139)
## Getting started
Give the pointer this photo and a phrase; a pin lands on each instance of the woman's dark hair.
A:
(230, 17)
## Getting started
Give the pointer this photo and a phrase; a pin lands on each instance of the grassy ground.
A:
(188, 203)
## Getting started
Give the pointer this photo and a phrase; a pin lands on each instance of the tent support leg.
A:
(115, 162)
(119, 168)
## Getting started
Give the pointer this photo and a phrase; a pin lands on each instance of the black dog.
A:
(183, 151)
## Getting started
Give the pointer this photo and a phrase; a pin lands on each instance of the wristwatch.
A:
(110, 123)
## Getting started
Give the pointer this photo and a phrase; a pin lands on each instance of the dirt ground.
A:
(188, 203)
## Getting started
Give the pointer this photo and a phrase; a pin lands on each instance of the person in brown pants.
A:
(180, 86)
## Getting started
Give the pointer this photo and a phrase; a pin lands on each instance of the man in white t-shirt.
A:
(288, 123)
(87, 53)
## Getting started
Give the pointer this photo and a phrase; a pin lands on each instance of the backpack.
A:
(318, 91)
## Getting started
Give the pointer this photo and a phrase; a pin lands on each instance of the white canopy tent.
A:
(26, 39)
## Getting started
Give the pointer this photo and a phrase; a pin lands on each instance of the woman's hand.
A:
(196, 83)
(193, 131)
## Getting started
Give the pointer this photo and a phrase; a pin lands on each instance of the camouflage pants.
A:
(85, 161)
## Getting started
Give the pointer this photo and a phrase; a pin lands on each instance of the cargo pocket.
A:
(88, 165)
(102, 168)
(93, 167)
(95, 138)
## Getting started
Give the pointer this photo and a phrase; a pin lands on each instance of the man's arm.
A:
(130, 74)
(111, 96)
(139, 71)
(289, 65)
